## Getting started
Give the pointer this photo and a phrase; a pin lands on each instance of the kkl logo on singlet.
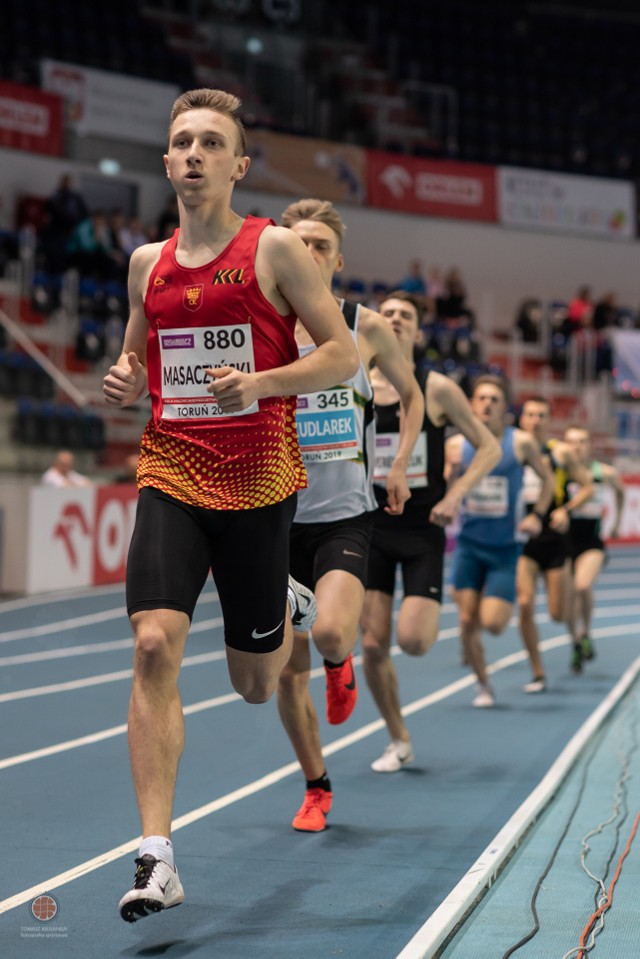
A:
(228, 276)
(193, 296)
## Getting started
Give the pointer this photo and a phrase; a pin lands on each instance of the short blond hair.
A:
(217, 100)
(321, 210)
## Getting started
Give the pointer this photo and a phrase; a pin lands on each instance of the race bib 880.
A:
(186, 354)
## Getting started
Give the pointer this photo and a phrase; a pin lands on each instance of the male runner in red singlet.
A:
(211, 336)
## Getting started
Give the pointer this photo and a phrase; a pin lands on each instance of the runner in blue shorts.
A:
(492, 527)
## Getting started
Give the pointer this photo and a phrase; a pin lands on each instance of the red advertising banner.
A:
(30, 119)
(115, 514)
(463, 191)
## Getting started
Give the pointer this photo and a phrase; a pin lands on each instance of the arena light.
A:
(109, 167)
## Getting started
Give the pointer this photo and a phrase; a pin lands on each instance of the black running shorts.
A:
(549, 552)
(174, 545)
(419, 552)
(577, 545)
(318, 548)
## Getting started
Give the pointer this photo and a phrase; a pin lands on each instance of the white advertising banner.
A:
(60, 547)
(111, 104)
(563, 203)
(74, 537)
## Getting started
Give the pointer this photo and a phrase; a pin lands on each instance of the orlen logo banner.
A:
(79, 537)
(115, 516)
(464, 191)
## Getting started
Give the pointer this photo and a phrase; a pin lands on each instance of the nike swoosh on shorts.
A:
(256, 635)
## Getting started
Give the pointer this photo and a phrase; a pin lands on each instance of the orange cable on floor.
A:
(606, 905)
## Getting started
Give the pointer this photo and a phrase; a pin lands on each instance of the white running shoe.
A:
(537, 685)
(302, 603)
(396, 755)
(156, 886)
(484, 698)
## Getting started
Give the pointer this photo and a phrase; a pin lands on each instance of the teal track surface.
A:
(397, 844)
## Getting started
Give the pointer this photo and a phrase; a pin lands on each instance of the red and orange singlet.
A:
(214, 316)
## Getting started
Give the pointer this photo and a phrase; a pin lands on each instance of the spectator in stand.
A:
(129, 470)
(62, 473)
(91, 249)
(455, 322)
(132, 235)
(8, 239)
(605, 313)
(580, 310)
(435, 283)
(529, 320)
(379, 293)
(63, 211)
(414, 282)
(116, 223)
(452, 305)
(594, 349)
(168, 220)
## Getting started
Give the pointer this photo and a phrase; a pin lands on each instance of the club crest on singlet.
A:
(193, 297)
(186, 355)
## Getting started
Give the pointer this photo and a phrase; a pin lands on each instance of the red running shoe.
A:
(312, 815)
(341, 691)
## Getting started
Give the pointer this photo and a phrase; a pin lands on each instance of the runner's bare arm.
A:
(381, 347)
(290, 279)
(528, 452)
(126, 380)
(559, 518)
(453, 458)
(446, 403)
(612, 478)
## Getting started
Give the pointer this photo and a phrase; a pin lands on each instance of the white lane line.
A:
(65, 652)
(448, 633)
(72, 684)
(77, 622)
(107, 734)
(511, 660)
(48, 885)
(59, 596)
(482, 874)
(71, 595)
(619, 559)
(46, 629)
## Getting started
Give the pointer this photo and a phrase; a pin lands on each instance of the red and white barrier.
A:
(67, 538)
(64, 538)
